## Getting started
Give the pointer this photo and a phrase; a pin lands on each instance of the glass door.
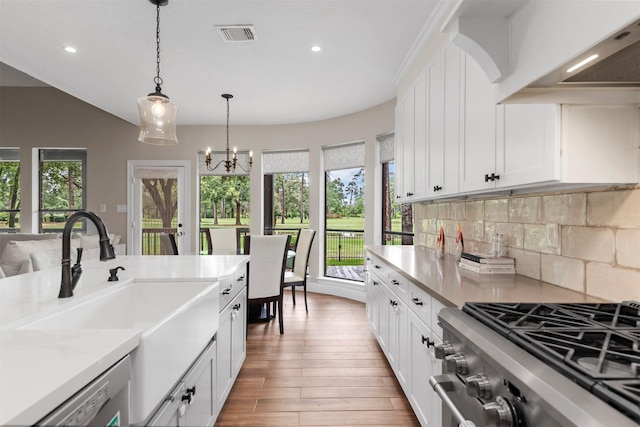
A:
(158, 205)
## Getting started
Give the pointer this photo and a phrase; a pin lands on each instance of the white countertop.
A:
(39, 370)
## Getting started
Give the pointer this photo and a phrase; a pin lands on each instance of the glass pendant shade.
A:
(157, 119)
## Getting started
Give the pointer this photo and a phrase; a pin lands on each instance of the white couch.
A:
(23, 253)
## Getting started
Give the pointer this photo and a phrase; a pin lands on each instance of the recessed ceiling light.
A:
(581, 63)
(316, 48)
(70, 49)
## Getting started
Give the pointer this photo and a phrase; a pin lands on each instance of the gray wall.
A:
(46, 117)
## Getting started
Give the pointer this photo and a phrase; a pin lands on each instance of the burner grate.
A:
(595, 345)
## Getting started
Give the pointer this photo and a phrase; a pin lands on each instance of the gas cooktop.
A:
(595, 345)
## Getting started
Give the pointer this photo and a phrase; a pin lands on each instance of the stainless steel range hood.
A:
(616, 63)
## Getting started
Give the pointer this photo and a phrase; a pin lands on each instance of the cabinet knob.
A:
(393, 303)
(241, 278)
(437, 188)
(226, 291)
(416, 301)
(492, 177)
(409, 194)
(395, 282)
(428, 342)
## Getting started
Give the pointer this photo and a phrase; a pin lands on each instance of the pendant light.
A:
(231, 162)
(157, 111)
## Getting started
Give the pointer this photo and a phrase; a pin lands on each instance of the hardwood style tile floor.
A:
(326, 370)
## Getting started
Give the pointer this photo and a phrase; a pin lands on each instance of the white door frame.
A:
(184, 205)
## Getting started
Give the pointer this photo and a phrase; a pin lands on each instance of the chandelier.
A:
(231, 161)
(157, 111)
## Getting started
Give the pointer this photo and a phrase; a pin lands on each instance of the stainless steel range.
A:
(540, 365)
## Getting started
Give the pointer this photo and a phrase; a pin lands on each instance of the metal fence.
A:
(396, 238)
(151, 239)
(344, 247)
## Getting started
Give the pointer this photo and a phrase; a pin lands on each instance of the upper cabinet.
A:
(411, 151)
(455, 140)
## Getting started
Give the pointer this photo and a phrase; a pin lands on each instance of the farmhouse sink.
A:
(177, 320)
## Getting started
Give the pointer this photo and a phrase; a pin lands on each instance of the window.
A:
(9, 190)
(344, 211)
(397, 219)
(286, 191)
(224, 199)
(62, 175)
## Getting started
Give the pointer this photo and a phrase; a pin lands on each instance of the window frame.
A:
(61, 155)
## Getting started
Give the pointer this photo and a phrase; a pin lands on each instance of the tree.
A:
(163, 192)
(10, 190)
(334, 195)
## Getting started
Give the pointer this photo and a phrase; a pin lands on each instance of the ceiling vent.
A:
(237, 33)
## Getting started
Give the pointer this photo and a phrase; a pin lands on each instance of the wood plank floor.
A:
(326, 370)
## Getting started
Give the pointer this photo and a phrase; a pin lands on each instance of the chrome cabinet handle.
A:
(441, 384)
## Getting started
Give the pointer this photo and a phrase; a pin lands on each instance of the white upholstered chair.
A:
(266, 272)
(224, 241)
(298, 276)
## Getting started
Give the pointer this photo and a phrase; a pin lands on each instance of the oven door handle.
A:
(441, 384)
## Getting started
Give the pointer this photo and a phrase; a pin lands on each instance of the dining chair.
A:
(266, 272)
(168, 244)
(298, 276)
(223, 241)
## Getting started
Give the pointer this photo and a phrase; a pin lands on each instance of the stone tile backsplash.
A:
(587, 241)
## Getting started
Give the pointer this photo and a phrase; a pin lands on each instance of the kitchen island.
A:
(40, 369)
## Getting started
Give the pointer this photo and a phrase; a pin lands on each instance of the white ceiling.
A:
(276, 79)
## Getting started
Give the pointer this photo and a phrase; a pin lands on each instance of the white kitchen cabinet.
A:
(192, 402)
(444, 122)
(528, 144)
(231, 340)
(407, 331)
(411, 144)
(421, 394)
(478, 130)
(397, 315)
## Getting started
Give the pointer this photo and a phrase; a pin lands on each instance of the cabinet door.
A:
(478, 139)
(200, 385)
(383, 301)
(399, 341)
(238, 332)
(420, 156)
(451, 150)
(223, 360)
(436, 126)
(421, 394)
(398, 153)
(529, 148)
(406, 151)
(173, 410)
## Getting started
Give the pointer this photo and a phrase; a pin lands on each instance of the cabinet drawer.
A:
(420, 303)
(231, 285)
(398, 285)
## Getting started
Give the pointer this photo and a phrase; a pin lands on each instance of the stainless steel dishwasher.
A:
(103, 402)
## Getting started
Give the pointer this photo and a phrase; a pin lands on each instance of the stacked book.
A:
(485, 264)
